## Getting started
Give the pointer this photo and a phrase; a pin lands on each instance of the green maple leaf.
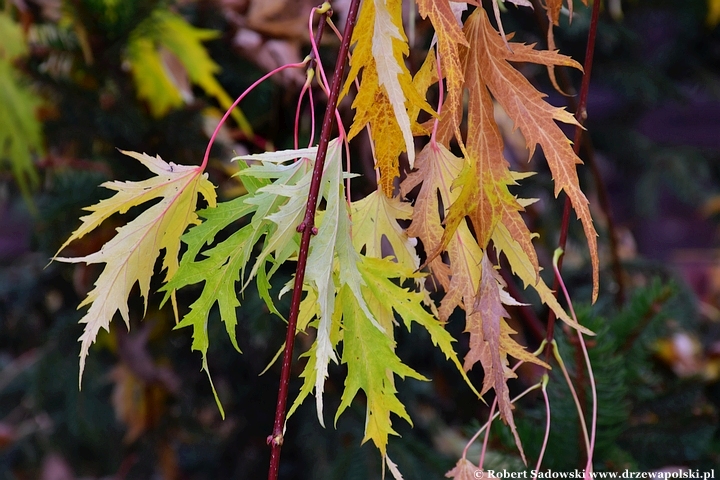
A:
(220, 266)
(371, 362)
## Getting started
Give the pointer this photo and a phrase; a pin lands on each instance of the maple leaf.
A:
(220, 271)
(364, 320)
(490, 341)
(386, 87)
(332, 264)
(222, 266)
(483, 182)
(371, 365)
(368, 350)
(465, 470)
(535, 118)
(407, 304)
(375, 218)
(333, 234)
(450, 38)
(277, 208)
(436, 169)
(130, 255)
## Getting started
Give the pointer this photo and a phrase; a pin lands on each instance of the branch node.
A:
(276, 440)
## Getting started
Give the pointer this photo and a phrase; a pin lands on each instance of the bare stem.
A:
(544, 382)
(590, 444)
(307, 228)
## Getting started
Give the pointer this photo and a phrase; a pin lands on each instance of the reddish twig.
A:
(307, 228)
(580, 115)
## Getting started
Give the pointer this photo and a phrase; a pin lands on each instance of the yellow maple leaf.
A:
(375, 218)
(130, 255)
(386, 87)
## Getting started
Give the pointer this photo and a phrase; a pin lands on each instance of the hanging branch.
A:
(307, 228)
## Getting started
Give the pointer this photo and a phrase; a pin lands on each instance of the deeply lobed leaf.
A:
(130, 255)
(386, 88)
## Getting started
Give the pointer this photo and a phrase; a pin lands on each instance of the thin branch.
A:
(580, 115)
(579, 370)
(307, 228)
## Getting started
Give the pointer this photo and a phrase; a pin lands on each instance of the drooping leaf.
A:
(450, 38)
(535, 118)
(390, 297)
(483, 182)
(465, 470)
(490, 342)
(332, 264)
(130, 255)
(321, 261)
(220, 270)
(366, 300)
(436, 169)
(221, 267)
(371, 367)
(459, 277)
(386, 87)
(375, 218)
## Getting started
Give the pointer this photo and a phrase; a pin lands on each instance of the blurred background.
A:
(82, 78)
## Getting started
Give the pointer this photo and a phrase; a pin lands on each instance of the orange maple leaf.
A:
(449, 38)
(535, 118)
(490, 341)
